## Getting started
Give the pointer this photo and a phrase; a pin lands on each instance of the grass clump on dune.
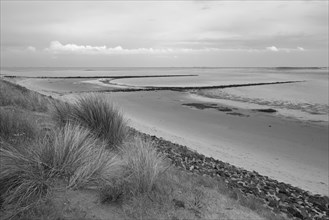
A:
(84, 158)
(62, 113)
(142, 167)
(73, 153)
(70, 154)
(15, 95)
(67, 149)
(143, 164)
(16, 126)
(23, 180)
(96, 113)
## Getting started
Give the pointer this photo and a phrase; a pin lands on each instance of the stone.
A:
(303, 212)
(273, 203)
(178, 203)
(320, 202)
(294, 212)
(283, 197)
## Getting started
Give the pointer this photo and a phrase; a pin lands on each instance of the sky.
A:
(164, 33)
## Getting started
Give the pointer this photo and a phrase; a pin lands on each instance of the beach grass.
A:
(16, 126)
(143, 164)
(69, 152)
(142, 168)
(15, 95)
(96, 113)
(23, 181)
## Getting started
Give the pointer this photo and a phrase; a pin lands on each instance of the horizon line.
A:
(164, 66)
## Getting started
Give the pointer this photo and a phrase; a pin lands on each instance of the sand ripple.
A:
(311, 108)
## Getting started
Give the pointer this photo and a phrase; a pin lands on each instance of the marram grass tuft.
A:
(98, 114)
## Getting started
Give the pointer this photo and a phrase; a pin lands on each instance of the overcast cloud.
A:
(164, 33)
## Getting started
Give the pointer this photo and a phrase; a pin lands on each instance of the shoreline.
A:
(147, 110)
(98, 77)
(278, 196)
(263, 142)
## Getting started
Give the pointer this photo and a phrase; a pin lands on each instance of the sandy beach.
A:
(288, 150)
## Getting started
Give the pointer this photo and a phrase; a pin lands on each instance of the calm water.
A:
(209, 73)
(306, 100)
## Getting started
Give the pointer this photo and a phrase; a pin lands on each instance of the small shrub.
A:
(96, 113)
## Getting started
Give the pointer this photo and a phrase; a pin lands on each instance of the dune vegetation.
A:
(78, 160)
(96, 113)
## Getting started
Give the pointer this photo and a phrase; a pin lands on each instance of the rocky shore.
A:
(278, 196)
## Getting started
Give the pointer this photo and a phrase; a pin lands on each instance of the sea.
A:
(306, 99)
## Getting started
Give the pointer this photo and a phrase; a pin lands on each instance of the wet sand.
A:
(286, 150)
(291, 151)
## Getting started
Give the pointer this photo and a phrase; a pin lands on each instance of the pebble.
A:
(279, 197)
